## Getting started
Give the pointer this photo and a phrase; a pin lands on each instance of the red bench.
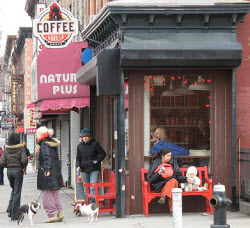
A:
(148, 194)
(99, 198)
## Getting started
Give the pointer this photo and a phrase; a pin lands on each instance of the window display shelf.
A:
(181, 143)
(175, 108)
(180, 126)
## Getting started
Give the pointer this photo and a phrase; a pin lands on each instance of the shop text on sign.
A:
(59, 27)
(58, 78)
(31, 130)
(55, 27)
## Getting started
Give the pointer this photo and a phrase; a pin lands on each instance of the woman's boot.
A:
(54, 218)
(60, 216)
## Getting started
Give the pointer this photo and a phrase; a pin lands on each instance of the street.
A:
(30, 193)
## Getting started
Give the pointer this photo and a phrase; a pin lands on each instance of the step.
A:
(245, 207)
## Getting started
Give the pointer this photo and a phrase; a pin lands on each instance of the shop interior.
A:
(180, 109)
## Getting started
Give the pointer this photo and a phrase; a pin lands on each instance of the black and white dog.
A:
(30, 209)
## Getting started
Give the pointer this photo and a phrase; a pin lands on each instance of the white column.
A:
(146, 122)
(177, 207)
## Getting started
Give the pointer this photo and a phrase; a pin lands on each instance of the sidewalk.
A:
(30, 193)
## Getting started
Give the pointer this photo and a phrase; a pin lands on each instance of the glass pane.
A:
(180, 116)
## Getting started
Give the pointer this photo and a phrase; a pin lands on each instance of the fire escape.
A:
(17, 88)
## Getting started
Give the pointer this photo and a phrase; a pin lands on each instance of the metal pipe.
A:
(239, 165)
(234, 141)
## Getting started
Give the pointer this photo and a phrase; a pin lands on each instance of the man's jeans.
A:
(91, 177)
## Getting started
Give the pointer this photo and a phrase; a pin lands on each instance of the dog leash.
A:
(68, 195)
(39, 197)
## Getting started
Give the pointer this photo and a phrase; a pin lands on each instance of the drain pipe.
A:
(239, 166)
(234, 141)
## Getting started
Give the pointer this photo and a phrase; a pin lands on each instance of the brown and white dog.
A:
(90, 210)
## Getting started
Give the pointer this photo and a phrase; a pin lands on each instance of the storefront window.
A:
(126, 124)
(180, 116)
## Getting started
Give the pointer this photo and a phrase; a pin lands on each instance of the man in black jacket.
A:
(88, 159)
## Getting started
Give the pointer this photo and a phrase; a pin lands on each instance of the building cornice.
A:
(30, 7)
(8, 47)
(117, 18)
(24, 32)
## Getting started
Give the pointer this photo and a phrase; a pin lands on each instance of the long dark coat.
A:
(49, 161)
(157, 181)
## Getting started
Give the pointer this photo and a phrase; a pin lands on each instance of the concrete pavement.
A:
(30, 193)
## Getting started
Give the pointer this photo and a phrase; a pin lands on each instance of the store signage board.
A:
(2, 113)
(6, 125)
(55, 27)
(29, 121)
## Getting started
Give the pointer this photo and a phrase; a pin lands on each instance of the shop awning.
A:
(66, 103)
(20, 129)
(160, 51)
(180, 50)
(209, 55)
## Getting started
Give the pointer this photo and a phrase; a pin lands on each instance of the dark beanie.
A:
(85, 132)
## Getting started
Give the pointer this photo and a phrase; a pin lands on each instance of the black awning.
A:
(103, 71)
(209, 55)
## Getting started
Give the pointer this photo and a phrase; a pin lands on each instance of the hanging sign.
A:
(55, 26)
(29, 121)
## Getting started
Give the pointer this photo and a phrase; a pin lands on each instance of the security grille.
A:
(65, 150)
(74, 141)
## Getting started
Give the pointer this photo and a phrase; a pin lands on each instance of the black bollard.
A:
(219, 202)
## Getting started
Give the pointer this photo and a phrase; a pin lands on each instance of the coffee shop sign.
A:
(55, 27)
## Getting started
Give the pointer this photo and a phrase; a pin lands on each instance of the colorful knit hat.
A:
(85, 132)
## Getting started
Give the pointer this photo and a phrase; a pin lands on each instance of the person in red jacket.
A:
(1, 168)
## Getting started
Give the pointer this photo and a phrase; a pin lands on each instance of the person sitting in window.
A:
(165, 142)
(201, 136)
(161, 134)
(154, 138)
